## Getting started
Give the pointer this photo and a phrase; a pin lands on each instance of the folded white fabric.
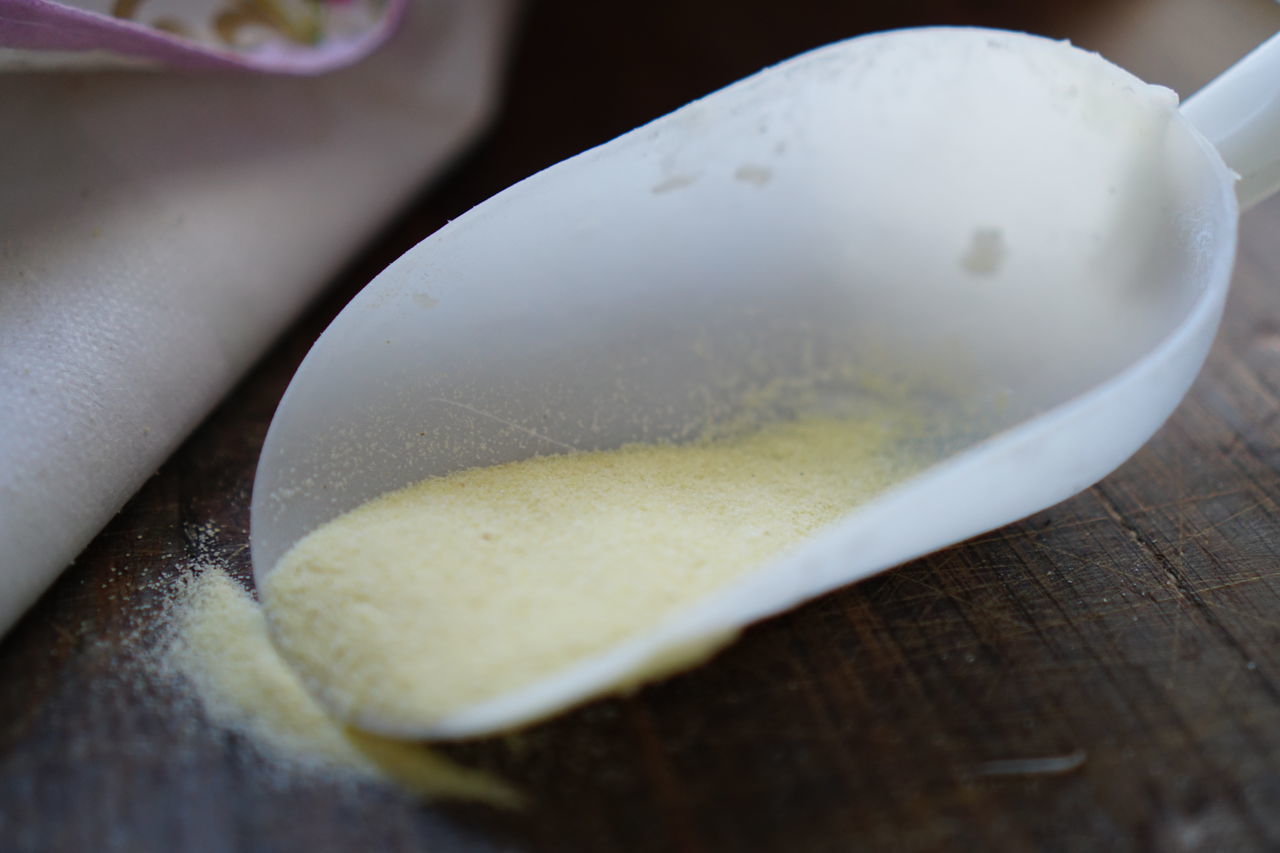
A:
(158, 230)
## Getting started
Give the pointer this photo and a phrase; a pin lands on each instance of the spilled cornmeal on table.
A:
(467, 586)
(220, 648)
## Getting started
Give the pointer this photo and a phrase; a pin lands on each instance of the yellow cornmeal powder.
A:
(220, 646)
(467, 586)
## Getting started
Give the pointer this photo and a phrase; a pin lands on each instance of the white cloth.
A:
(158, 230)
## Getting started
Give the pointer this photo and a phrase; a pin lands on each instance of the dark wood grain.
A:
(1104, 675)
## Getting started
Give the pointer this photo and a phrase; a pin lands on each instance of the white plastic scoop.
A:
(1018, 227)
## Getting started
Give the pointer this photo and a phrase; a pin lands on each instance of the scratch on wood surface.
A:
(1259, 385)
(1230, 674)
(1007, 535)
(1050, 765)
(1237, 582)
(1211, 527)
(1240, 617)
(1070, 555)
(969, 603)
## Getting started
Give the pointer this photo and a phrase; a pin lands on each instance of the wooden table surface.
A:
(1103, 675)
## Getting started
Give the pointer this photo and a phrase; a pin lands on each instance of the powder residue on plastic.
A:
(986, 252)
(468, 586)
(220, 647)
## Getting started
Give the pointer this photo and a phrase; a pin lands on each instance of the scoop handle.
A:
(1239, 112)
